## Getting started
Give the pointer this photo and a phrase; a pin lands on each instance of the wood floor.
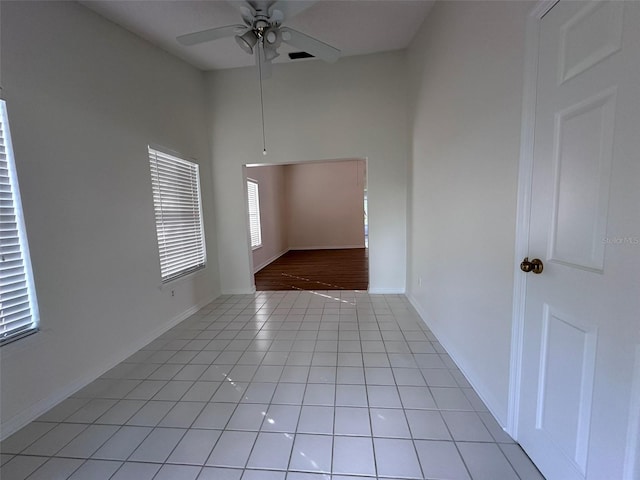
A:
(345, 269)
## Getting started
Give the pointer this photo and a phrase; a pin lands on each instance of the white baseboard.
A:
(485, 396)
(34, 411)
(267, 262)
(325, 247)
(239, 291)
(387, 291)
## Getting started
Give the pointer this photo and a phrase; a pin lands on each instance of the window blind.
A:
(254, 214)
(18, 306)
(178, 214)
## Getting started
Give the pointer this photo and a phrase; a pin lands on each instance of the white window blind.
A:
(254, 214)
(178, 212)
(18, 305)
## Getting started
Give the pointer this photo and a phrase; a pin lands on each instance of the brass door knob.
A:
(534, 265)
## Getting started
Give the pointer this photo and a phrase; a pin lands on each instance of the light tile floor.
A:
(274, 386)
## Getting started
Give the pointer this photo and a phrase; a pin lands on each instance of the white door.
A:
(582, 313)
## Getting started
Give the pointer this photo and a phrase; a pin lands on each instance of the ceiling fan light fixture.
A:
(270, 53)
(247, 41)
(271, 36)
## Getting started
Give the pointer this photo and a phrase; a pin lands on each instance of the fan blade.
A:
(246, 9)
(210, 34)
(288, 8)
(310, 45)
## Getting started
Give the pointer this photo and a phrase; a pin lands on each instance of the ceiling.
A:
(356, 27)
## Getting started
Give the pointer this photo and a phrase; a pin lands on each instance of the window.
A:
(254, 214)
(18, 305)
(178, 212)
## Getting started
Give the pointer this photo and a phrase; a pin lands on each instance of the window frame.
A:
(251, 183)
(169, 256)
(24, 256)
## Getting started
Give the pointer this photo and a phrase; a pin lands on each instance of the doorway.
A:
(311, 220)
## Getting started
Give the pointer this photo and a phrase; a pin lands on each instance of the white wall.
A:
(466, 67)
(355, 108)
(325, 204)
(273, 217)
(85, 98)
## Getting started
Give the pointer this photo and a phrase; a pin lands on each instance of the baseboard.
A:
(324, 247)
(34, 411)
(239, 291)
(387, 291)
(267, 262)
(485, 396)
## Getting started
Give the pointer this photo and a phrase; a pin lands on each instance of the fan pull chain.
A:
(264, 141)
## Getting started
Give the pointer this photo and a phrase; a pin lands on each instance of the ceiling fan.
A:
(263, 32)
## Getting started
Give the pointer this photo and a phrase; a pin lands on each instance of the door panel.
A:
(582, 313)
(582, 168)
(590, 36)
(567, 362)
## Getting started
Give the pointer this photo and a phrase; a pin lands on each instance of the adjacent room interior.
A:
(308, 225)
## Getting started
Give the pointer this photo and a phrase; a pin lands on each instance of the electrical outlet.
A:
(419, 281)
(173, 293)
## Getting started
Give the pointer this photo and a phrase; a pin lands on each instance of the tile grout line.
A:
(234, 314)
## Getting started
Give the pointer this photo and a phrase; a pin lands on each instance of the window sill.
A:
(20, 336)
(171, 284)
(28, 343)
